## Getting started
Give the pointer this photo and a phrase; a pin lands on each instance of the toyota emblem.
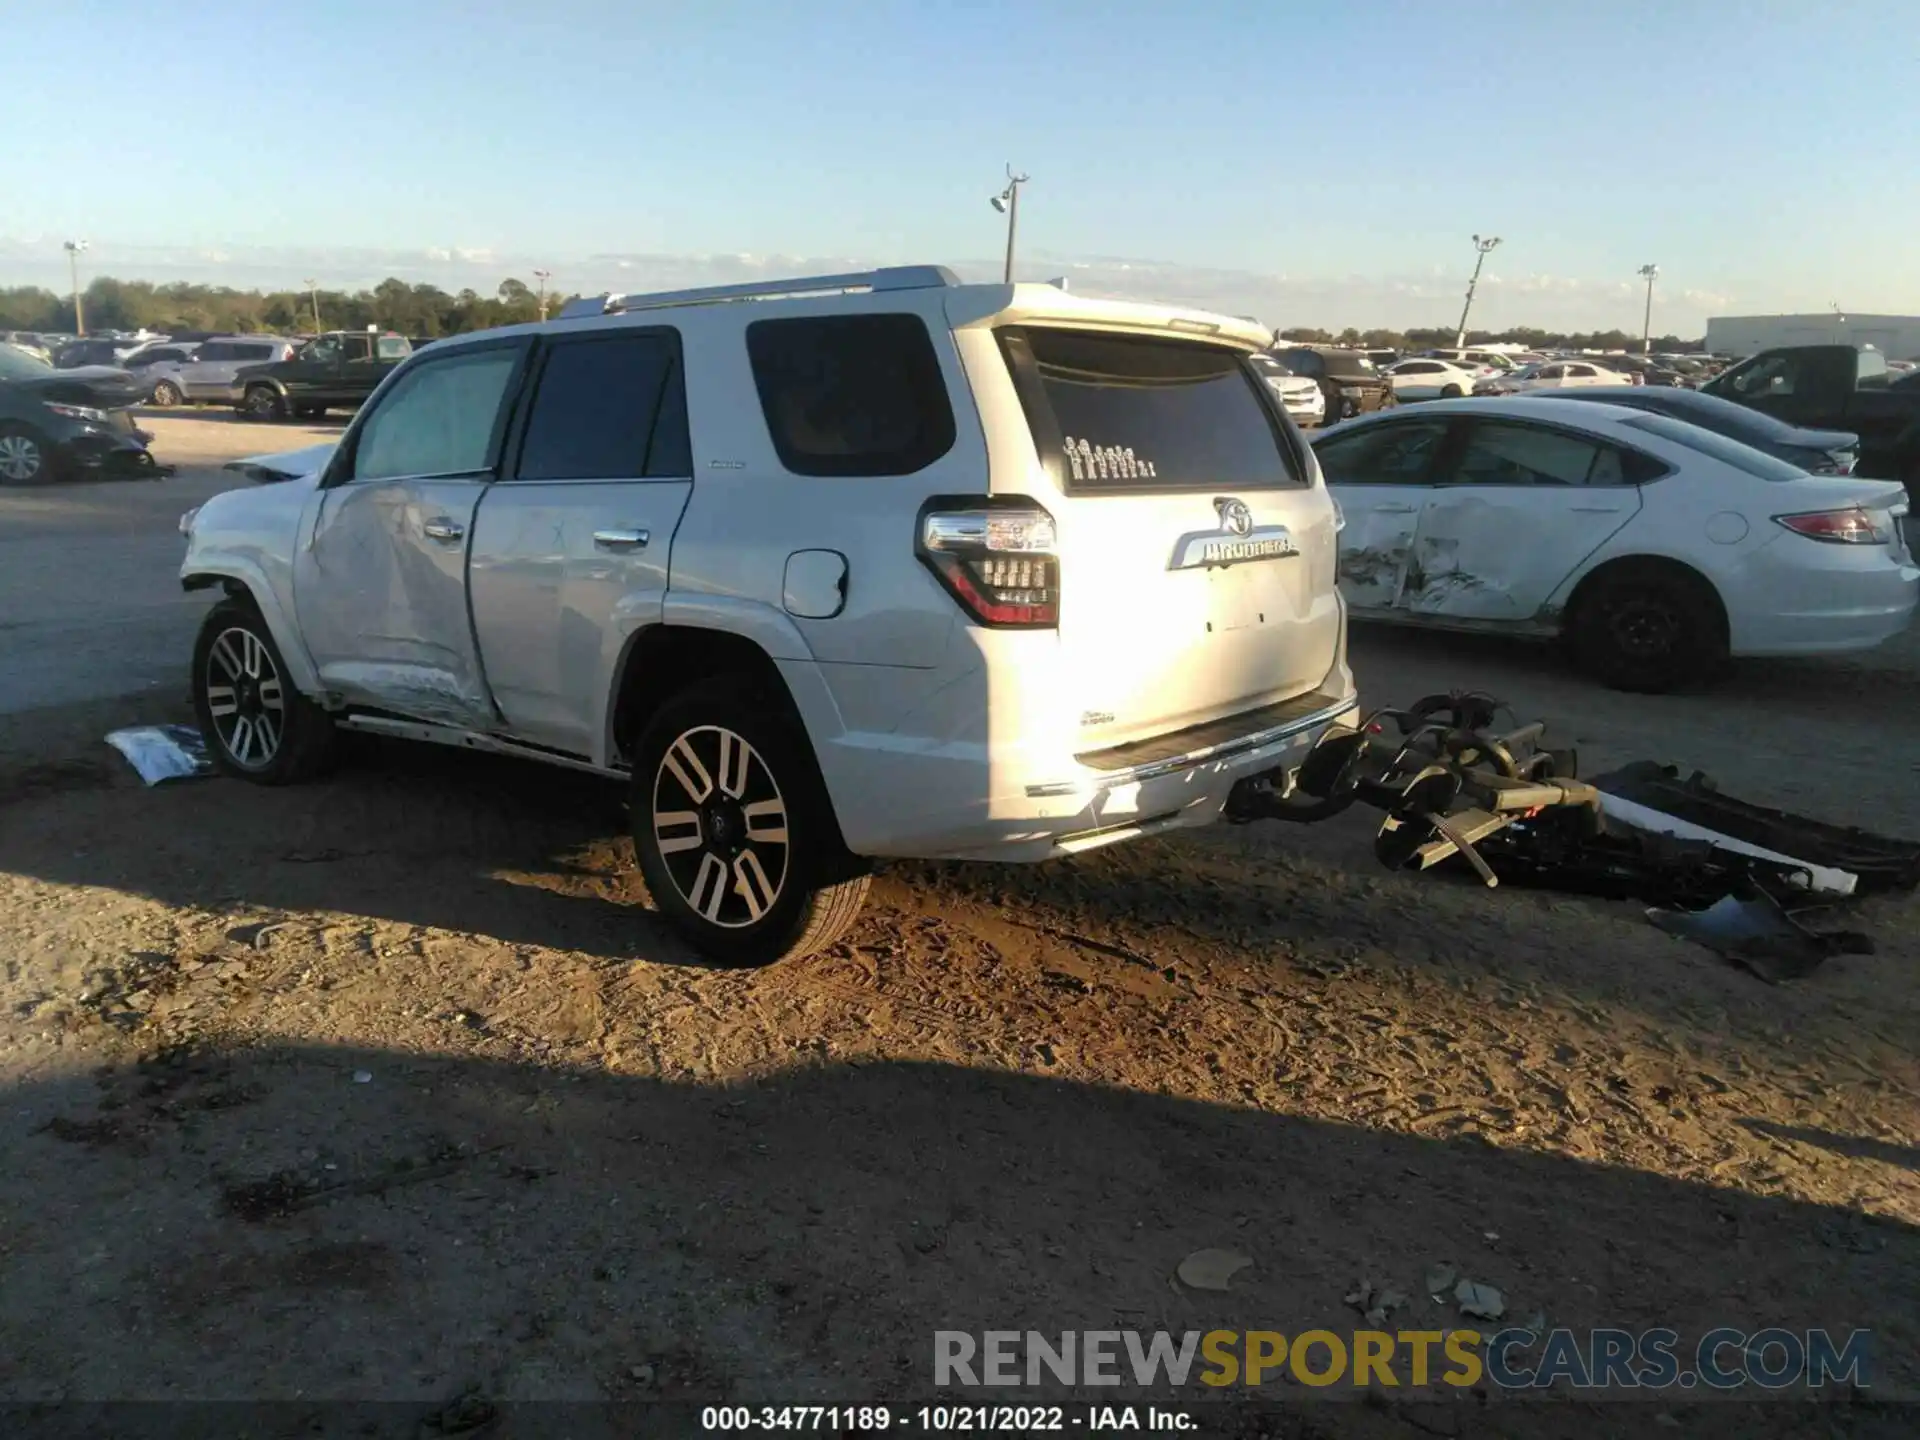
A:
(1235, 517)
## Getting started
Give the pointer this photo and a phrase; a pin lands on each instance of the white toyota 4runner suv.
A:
(826, 569)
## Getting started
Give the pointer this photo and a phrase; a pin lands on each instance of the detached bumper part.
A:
(1752, 929)
(1453, 788)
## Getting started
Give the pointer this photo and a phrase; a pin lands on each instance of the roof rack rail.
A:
(895, 277)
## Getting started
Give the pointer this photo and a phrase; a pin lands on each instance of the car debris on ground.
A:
(1734, 876)
(163, 752)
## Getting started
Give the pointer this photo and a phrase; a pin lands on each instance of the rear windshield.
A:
(1749, 426)
(1140, 412)
(1727, 451)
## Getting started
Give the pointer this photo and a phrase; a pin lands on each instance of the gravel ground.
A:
(392, 1087)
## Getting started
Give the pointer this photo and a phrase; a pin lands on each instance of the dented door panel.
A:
(381, 593)
(1498, 552)
(1376, 542)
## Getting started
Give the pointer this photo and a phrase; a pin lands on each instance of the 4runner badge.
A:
(1237, 540)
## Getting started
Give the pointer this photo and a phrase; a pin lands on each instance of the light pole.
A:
(1008, 203)
(1649, 273)
(1483, 246)
(313, 293)
(543, 276)
(76, 248)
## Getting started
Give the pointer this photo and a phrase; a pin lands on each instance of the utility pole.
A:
(543, 276)
(313, 292)
(1483, 247)
(1648, 273)
(75, 248)
(1008, 203)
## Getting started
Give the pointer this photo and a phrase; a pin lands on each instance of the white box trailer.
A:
(1895, 336)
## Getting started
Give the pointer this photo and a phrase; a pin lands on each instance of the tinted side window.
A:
(1500, 453)
(851, 394)
(1304, 362)
(393, 347)
(439, 418)
(1776, 375)
(1396, 454)
(218, 350)
(598, 413)
(255, 352)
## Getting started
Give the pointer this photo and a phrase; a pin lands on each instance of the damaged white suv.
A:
(827, 569)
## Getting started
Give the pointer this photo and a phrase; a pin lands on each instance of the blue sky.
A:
(1311, 162)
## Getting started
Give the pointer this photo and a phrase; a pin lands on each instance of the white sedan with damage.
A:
(1656, 548)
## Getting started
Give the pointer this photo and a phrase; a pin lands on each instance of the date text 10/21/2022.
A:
(946, 1419)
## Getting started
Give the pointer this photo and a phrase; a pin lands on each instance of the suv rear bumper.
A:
(960, 802)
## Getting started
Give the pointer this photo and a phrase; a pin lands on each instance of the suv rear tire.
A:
(255, 724)
(263, 402)
(733, 829)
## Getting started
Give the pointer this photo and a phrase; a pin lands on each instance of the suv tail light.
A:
(996, 557)
(1842, 527)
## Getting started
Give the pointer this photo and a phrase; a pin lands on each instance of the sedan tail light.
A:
(997, 557)
(1854, 526)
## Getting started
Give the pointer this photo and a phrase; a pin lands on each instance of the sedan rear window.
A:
(1142, 412)
(1728, 452)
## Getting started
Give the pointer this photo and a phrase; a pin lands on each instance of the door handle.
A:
(1395, 509)
(621, 539)
(1596, 509)
(444, 529)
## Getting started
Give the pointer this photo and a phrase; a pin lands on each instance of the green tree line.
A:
(427, 310)
(417, 310)
(1520, 335)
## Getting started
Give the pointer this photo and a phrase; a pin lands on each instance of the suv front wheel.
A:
(733, 830)
(255, 724)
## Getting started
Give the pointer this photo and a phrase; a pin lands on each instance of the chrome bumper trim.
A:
(1225, 750)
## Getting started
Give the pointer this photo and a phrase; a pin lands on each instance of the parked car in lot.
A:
(340, 368)
(1350, 383)
(1552, 375)
(158, 364)
(1655, 547)
(1818, 452)
(95, 350)
(30, 341)
(1431, 380)
(1483, 361)
(1834, 387)
(1300, 397)
(212, 376)
(823, 569)
(63, 424)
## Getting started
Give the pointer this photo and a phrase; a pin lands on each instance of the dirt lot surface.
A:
(392, 1087)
